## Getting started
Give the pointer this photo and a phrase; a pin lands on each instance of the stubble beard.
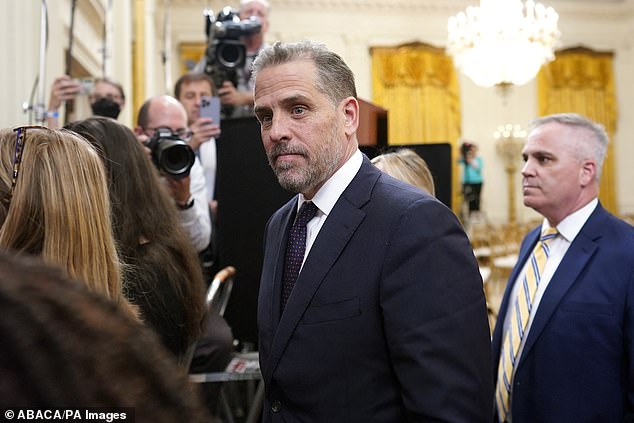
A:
(319, 166)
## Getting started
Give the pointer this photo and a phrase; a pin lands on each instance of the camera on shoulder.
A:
(170, 153)
(225, 52)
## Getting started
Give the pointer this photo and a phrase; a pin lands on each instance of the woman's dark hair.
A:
(465, 147)
(66, 346)
(163, 273)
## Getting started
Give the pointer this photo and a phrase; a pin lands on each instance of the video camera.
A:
(170, 153)
(225, 52)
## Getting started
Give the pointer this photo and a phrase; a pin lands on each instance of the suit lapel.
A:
(573, 263)
(334, 235)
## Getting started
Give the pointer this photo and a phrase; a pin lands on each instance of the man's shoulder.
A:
(400, 194)
(613, 236)
(619, 231)
(607, 224)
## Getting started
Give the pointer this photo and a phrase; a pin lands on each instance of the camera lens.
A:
(230, 54)
(175, 158)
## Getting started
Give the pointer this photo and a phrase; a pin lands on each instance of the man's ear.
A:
(350, 108)
(587, 172)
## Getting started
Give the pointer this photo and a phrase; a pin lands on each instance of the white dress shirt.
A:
(208, 160)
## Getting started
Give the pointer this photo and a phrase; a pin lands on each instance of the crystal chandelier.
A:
(503, 42)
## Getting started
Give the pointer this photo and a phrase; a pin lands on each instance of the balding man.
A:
(190, 192)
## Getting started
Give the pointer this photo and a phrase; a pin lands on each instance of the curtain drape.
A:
(581, 80)
(418, 86)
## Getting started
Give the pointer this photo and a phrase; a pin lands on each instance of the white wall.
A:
(21, 22)
(20, 44)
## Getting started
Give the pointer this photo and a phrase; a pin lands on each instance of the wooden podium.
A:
(372, 125)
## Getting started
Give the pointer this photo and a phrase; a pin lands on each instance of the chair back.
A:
(216, 301)
(220, 290)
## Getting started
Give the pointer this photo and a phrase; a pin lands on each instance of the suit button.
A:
(276, 406)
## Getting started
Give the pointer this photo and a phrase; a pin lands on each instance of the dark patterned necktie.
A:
(295, 248)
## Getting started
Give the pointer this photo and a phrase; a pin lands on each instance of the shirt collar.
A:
(572, 224)
(332, 189)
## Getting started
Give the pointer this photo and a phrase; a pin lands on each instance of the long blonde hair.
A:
(59, 207)
(406, 165)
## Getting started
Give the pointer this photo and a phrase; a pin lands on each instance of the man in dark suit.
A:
(573, 359)
(387, 319)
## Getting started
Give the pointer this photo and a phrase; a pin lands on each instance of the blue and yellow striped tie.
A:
(518, 320)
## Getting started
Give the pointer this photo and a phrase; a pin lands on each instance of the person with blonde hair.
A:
(54, 204)
(406, 165)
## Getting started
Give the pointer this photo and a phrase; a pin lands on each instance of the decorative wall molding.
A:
(574, 8)
(93, 11)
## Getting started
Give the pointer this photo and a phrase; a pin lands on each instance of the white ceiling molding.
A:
(573, 8)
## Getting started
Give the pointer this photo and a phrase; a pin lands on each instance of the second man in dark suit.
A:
(564, 340)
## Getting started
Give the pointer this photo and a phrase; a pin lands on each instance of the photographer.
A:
(189, 192)
(106, 98)
(190, 90)
(471, 176)
(240, 96)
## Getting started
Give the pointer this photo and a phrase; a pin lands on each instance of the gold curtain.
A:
(418, 85)
(581, 80)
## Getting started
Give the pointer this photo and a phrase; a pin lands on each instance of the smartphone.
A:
(210, 108)
(87, 86)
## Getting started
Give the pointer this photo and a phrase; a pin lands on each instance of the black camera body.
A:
(225, 52)
(170, 154)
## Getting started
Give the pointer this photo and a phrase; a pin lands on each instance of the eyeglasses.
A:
(20, 140)
(182, 133)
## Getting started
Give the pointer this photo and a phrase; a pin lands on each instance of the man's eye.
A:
(298, 110)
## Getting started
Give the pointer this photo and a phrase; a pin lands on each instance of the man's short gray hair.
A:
(595, 143)
(334, 77)
(264, 3)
